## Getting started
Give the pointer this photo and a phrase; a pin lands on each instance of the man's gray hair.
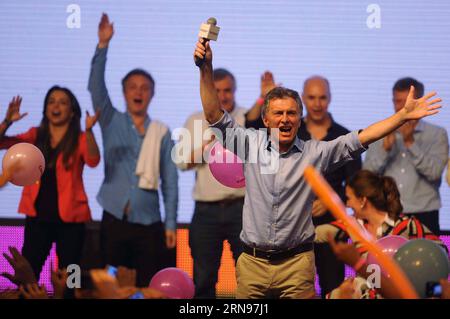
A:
(281, 93)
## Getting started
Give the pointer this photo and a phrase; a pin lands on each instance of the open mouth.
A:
(56, 113)
(285, 129)
(138, 101)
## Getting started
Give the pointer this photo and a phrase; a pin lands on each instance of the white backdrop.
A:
(51, 42)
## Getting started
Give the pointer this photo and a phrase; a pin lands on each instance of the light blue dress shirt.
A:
(417, 169)
(278, 201)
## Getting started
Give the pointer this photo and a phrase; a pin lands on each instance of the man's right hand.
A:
(203, 49)
(105, 31)
(318, 208)
(267, 83)
(389, 141)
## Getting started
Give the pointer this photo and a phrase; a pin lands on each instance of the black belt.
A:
(278, 255)
(223, 202)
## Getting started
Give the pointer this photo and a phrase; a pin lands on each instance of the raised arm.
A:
(414, 109)
(267, 84)
(97, 84)
(12, 115)
(93, 153)
(105, 31)
(210, 101)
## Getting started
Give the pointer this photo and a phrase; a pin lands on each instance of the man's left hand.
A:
(347, 253)
(415, 109)
(171, 238)
(318, 208)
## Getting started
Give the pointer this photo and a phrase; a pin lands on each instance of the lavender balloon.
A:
(226, 167)
(390, 245)
(174, 283)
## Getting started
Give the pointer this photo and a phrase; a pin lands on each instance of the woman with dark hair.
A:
(56, 207)
(375, 201)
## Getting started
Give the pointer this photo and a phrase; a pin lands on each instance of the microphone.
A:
(208, 31)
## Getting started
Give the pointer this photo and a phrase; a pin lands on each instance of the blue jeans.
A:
(212, 223)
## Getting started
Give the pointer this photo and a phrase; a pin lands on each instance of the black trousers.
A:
(429, 219)
(330, 270)
(134, 246)
(40, 235)
(212, 223)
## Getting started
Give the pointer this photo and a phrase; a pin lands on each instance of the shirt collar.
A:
(146, 121)
(234, 110)
(387, 222)
(298, 144)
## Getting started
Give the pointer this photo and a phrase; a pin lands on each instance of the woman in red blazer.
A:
(56, 208)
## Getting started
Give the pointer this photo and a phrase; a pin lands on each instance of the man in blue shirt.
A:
(277, 233)
(415, 156)
(318, 124)
(132, 233)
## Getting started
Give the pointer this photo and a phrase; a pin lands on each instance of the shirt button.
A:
(403, 155)
(402, 170)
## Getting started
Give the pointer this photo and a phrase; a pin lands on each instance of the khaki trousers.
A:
(291, 278)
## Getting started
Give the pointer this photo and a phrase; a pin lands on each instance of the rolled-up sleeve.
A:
(340, 150)
(97, 87)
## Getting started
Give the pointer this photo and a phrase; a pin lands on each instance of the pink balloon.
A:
(174, 283)
(30, 161)
(389, 244)
(226, 167)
